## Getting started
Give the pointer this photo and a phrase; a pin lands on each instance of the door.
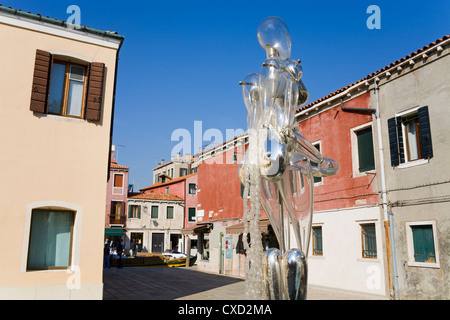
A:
(157, 242)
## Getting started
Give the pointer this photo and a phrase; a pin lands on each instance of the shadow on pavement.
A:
(134, 283)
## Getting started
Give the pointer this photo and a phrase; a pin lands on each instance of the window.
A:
(191, 214)
(169, 213)
(204, 242)
(366, 159)
(118, 184)
(194, 170)
(183, 172)
(410, 136)
(154, 213)
(192, 188)
(363, 158)
(117, 210)
(134, 211)
(316, 179)
(65, 88)
(317, 241)
(422, 244)
(167, 190)
(369, 241)
(50, 239)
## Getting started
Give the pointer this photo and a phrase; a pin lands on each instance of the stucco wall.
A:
(53, 160)
(425, 185)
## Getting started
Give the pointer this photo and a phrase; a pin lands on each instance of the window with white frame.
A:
(154, 212)
(118, 183)
(317, 244)
(422, 244)
(363, 159)
(192, 188)
(192, 214)
(169, 212)
(369, 240)
(410, 137)
(50, 243)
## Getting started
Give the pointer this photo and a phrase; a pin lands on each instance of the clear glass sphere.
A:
(273, 33)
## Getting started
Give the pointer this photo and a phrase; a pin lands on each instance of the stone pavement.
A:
(133, 283)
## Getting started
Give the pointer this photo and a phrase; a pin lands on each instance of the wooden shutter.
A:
(94, 98)
(41, 81)
(139, 212)
(396, 141)
(425, 133)
(393, 143)
(130, 211)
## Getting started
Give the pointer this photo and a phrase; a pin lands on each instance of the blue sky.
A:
(182, 60)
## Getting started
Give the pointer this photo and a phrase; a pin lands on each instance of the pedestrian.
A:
(119, 253)
(106, 255)
(133, 248)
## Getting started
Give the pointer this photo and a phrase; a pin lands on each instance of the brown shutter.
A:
(94, 98)
(41, 79)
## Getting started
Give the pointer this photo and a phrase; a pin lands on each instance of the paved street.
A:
(189, 284)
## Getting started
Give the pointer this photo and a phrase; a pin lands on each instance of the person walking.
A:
(106, 255)
(119, 253)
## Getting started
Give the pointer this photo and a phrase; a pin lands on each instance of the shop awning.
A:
(187, 231)
(239, 228)
(113, 232)
(201, 227)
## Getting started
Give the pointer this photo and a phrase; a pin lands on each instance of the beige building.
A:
(56, 99)
(413, 99)
(155, 221)
(177, 167)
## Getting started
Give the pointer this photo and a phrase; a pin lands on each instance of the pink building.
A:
(116, 200)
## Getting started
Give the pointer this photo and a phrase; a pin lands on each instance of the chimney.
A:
(178, 155)
(162, 161)
(113, 149)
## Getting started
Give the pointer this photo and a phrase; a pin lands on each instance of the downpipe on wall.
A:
(388, 217)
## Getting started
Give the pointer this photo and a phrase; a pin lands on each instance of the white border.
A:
(76, 242)
(410, 245)
(354, 146)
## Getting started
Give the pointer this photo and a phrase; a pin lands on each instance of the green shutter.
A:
(425, 133)
(154, 212)
(130, 211)
(191, 214)
(169, 213)
(139, 212)
(423, 243)
(365, 150)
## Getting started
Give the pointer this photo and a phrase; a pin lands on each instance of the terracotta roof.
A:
(114, 165)
(160, 184)
(372, 75)
(155, 196)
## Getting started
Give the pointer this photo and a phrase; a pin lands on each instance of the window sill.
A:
(59, 117)
(371, 260)
(413, 163)
(433, 265)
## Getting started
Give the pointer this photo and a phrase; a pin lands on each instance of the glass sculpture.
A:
(277, 170)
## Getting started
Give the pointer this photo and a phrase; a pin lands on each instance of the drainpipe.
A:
(387, 219)
(220, 252)
(394, 260)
